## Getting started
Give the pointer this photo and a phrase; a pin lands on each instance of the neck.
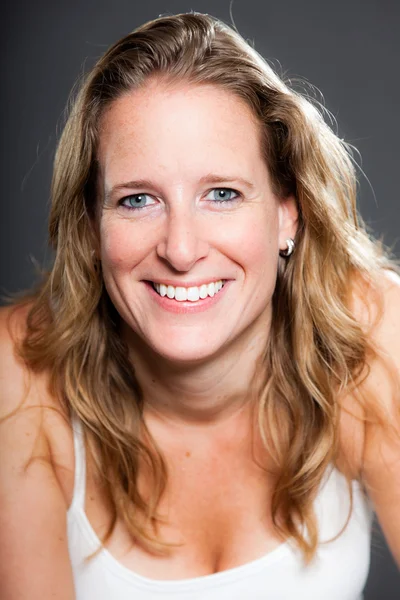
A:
(204, 394)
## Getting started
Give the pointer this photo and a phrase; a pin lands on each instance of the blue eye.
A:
(224, 194)
(135, 201)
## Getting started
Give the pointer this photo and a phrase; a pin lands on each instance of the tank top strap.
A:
(78, 499)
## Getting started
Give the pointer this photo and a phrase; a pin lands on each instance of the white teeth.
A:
(181, 294)
(203, 291)
(193, 294)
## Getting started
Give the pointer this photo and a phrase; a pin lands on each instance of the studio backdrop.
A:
(344, 53)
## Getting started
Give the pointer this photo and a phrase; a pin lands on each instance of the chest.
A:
(215, 511)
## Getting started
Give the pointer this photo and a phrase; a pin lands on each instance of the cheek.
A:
(254, 242)
(121, 244)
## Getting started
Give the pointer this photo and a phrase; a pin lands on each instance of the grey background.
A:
(348, 49)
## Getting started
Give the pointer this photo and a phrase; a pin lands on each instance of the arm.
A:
(34, 561)
(381, 452)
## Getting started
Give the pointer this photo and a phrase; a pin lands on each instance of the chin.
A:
(185, 349)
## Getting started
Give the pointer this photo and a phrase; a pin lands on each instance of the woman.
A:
(201, 398)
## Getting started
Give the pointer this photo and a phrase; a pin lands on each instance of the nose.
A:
(184, 241)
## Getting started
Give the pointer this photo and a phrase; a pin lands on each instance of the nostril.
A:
(182, 248)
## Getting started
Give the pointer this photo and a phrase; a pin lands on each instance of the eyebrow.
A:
(146, 183)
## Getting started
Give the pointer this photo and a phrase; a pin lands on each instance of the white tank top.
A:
(338, 572)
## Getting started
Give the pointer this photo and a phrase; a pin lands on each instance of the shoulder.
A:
(12, 320)
(18, 383)
(22, 434)
(380, 459)
(376, 308)
(33, 423)
(382, 430)
(33, 540)
(376, 303)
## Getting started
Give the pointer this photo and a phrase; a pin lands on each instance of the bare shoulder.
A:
(12, 374)
(384, 378)
(33, 533)
(33, 423)
(381, 458)
(376, 309)
(22, 433)
(20, 386)
(367, 300)
(380, 452)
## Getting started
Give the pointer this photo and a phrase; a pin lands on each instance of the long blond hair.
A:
(316, 348)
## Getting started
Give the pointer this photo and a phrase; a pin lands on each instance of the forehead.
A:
(177, 129)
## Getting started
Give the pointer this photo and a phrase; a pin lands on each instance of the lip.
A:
(186, 307)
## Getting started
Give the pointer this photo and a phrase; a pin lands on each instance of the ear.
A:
(288, 220)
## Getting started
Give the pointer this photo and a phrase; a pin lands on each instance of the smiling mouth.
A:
(191, 294)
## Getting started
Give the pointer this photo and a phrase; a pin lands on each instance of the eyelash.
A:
(222, 201)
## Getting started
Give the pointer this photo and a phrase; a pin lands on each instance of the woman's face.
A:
(187, 206)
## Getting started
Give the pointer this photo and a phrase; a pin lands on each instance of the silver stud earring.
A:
(290, 247)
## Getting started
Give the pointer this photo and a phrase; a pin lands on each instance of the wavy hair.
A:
(316, 348)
